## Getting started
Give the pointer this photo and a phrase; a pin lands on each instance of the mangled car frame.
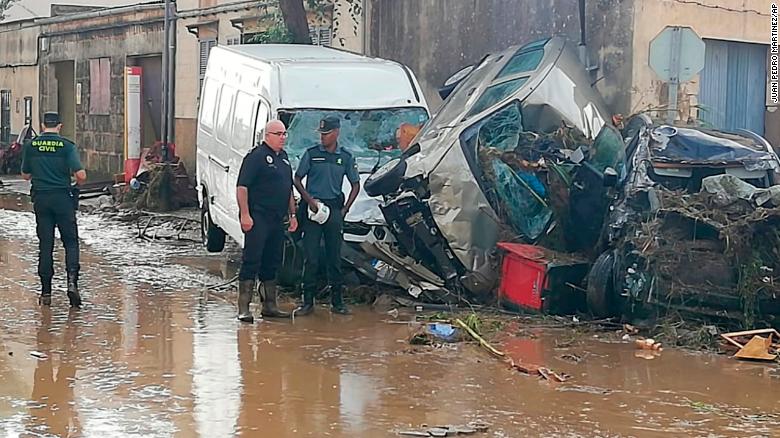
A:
(692, 228)
(471, 178)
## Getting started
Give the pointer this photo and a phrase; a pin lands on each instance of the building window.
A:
(321, 35)
(224, 121)
(234, 41)
(100, 86)
(205, 46)
(249, 37)
(5, 117)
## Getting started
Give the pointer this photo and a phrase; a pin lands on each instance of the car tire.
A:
(601, 296)
(212, 236)
(387, 178)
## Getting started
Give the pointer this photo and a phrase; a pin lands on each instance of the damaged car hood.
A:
(704, 147)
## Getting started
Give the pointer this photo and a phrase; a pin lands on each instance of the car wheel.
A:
(212, 236)
(601, 296)
(387, 178)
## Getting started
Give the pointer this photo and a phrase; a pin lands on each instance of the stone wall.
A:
(100, 137)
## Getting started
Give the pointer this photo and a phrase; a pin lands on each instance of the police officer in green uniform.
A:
(49, 160)
(325, 166)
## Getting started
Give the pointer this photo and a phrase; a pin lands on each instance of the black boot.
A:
(245, 291)
(308, 304)
(73, 290)
(45, 298)
(337, 302)
(270, 306)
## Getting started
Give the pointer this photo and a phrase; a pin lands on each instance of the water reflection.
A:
(216, 373)
(52, 401)
(145, 360)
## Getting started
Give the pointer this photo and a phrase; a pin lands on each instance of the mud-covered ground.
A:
(154, 353)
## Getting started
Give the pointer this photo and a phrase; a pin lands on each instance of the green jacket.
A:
(51, 160)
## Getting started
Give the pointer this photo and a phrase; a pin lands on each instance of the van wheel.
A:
(601, 296)
(212, 236)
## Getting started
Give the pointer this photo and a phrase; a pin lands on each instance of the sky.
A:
(25, 9)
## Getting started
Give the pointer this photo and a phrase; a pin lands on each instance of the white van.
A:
(247, 85)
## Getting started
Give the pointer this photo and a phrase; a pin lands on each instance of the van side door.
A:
(250, 115)
(207, 143)
(220, 156)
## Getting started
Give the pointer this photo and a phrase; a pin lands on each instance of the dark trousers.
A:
(56, 209)
(313, 235)
(263, 246)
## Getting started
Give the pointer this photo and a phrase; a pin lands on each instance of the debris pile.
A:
(696, 251)
(161, 186)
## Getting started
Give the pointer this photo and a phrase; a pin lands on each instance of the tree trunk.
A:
(294, 15)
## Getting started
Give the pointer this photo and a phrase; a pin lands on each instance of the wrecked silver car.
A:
(692, 228)
(471, 178)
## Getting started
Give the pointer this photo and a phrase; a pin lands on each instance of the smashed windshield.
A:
(363, 132)
(516, 194)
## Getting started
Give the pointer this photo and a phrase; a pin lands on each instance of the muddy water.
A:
(151, 355)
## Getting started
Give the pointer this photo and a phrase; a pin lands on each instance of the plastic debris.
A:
(430, 333)
(648, 344)
(448, 430)
(758, 348)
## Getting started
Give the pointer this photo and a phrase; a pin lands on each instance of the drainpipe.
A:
(165, 81)
(172, 37)
(583, 45)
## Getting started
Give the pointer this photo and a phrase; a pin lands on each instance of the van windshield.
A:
(364, 133)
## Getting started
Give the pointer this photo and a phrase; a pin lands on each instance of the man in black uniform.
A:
(325, 166)
(264, 194)
(49, 160)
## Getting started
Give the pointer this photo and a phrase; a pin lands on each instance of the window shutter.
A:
(321, 35)
(203, 58)
(326, 36)
(5, 116)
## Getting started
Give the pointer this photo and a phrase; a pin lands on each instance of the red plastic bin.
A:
(534, 278)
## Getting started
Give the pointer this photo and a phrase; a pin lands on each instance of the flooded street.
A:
(152, 354)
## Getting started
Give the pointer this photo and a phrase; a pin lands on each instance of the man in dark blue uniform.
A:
(264, 195)
(325, 166)
(49, 160)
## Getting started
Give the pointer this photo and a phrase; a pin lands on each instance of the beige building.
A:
(18, 77)
(730, 92)
(20, 57)
(52, 58)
